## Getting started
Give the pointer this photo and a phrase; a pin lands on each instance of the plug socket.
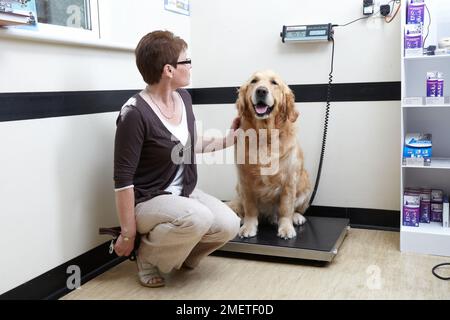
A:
(367, 7)
(385, 9)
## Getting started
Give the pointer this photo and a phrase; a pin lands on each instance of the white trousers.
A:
(176, 230)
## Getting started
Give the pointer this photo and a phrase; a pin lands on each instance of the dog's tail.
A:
(236, 206)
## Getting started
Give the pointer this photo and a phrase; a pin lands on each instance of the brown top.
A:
(147, 155)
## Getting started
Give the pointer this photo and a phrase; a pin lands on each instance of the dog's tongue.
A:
(261, 108)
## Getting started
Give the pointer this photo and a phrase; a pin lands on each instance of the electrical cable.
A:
(343, 25)
(438, 276)
(428, 27)
(325, 125)
(396, 11)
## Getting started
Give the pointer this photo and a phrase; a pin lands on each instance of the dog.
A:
(266, 106)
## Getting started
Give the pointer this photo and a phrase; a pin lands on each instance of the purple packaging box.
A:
(436, 212)
(411, 210)
(439, 84)
(425, 211)
(415, 12)
(440, 88)
(425, 205)
(432, 84)
(413, 36)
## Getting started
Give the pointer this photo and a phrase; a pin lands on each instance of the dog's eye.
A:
(274, 82)
(253, 81)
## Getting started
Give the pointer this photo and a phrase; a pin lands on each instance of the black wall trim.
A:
(52, 284)
(388, 220)
(364, 91)
(36, 105)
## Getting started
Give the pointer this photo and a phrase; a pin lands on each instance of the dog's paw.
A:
(298, 219)
(248, 230)
(286, 231)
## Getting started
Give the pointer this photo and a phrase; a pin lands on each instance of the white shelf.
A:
(426, 239)
(434, 228)
(436, 163)
(424, 58)
(426, 106)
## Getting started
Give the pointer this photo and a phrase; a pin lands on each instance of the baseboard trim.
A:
(52, 284)
(373, 219)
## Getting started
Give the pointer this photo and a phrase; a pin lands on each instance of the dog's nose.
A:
(261, 92)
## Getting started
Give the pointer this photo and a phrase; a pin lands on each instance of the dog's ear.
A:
(289, 105)
(241, 101)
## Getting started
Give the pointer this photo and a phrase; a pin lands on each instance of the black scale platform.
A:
(318, 239)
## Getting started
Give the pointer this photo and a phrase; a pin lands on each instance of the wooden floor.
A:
(369, 266)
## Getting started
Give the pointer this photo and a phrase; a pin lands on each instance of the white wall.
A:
(127, 21)
(232, 39)
(56, 174)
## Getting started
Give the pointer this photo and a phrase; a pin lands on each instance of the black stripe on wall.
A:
(367, 91)
(36, 105)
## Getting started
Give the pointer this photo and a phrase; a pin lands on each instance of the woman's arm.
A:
(205, 144)
(125, 210)
(128, 143)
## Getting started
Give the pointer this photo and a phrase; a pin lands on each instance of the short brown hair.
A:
(154, 51)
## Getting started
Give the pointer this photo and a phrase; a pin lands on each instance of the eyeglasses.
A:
(187, 61)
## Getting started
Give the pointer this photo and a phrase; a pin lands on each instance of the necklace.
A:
(167, 117)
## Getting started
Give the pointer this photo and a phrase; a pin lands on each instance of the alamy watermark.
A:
(74, 279)
(254, 147)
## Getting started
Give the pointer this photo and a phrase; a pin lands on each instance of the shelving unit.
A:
(430, 238)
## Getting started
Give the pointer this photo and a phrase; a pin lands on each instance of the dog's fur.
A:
(284, 195)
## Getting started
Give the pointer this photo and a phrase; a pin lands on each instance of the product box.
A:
(437, 196)
(411, 210)
(425, 205)
(436, 212)
(418, 145)
(413, 40)
(445, 213)
(415, 12)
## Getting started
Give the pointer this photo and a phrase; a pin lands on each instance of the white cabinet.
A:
(419, 117)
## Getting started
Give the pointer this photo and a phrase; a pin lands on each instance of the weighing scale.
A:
(318, 239)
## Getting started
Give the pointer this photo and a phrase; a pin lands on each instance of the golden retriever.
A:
(266, 107)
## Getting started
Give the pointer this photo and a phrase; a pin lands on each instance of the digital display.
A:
(296, 34)
(317, 32)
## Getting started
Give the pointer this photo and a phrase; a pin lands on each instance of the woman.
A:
(154, 169)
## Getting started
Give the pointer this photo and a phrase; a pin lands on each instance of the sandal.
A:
(149, 275)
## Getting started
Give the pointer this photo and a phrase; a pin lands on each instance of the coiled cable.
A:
(325, 125)
(439, 266)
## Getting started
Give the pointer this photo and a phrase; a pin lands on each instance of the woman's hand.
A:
(234, 130)
(124, 248)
